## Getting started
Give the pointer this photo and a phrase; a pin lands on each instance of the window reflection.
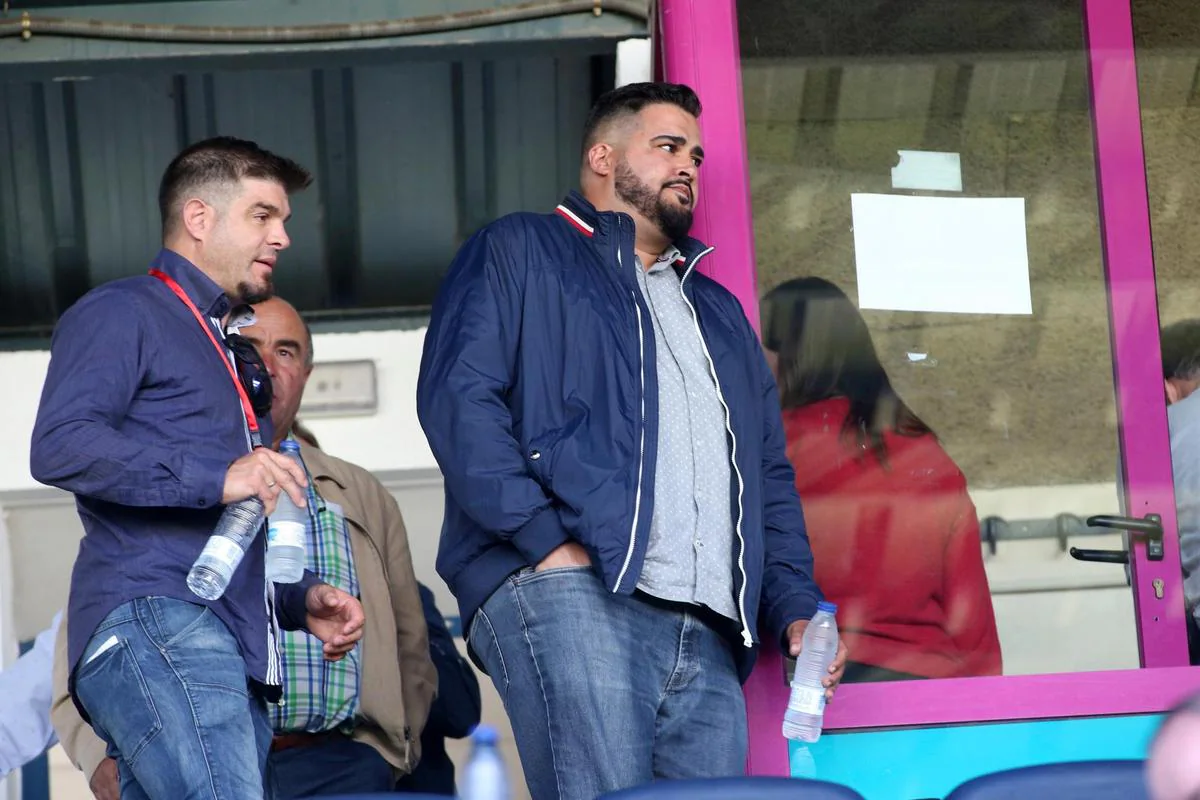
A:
(1023, 406)
(894, 534)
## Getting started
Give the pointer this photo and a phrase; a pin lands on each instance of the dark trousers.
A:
(333, 765)
(434, 774)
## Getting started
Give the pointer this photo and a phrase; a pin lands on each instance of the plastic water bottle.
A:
(239, 524)
(806, 707)
(484, 777)
(287, 530)
(802, 763)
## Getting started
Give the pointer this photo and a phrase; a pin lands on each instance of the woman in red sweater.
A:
(894, 534)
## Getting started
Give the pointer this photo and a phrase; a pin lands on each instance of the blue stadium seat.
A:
(738, 789)
(384, 796)
(1079, 780)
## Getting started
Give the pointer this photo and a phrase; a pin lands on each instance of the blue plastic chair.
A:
(1077, 780)
(384, 796)
(738, 789)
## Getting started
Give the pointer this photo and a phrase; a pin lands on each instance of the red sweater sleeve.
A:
(966, 598)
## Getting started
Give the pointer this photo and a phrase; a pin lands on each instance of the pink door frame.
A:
(699, 46)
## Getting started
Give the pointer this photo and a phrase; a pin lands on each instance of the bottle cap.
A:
(484, 734)
(289, 446)
(825, 605)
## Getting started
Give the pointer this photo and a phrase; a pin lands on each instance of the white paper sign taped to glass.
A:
(964, 255)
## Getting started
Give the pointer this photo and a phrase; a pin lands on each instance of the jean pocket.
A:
(481, 637)
(111, 686)
(178, 621)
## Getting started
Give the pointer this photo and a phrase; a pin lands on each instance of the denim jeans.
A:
(337, 766)
(606, 691)
(165, 686)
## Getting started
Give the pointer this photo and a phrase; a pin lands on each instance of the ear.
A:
(1174, 395)
(601, 159)
(198, 218)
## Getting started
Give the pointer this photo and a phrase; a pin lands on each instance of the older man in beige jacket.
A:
(358, 730)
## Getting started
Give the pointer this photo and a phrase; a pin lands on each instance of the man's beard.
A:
(674, 221)
(248, 293)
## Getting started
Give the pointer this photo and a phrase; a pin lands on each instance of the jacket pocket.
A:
(539, 459)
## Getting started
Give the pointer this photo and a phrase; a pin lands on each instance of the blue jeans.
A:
(336, 766)
(606, 691)
(165, 686)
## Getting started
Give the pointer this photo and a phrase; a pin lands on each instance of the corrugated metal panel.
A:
(409, 159)
(25, 246)
(126, 128)
(406, 174)
(275, 108)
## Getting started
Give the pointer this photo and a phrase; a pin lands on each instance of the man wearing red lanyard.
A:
(152, 414)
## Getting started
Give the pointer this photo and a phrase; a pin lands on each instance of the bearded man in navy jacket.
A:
(621, 517)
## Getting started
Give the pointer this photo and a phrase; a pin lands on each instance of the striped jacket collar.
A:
(585, 219)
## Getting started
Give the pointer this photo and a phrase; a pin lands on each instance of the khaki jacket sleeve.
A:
(81, 744)
(417, 671)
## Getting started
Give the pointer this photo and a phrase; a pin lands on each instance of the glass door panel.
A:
(1167, 42)
(1054, 413)
(995, 96)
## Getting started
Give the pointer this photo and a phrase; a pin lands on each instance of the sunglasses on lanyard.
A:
(252, 372)
(248, 369)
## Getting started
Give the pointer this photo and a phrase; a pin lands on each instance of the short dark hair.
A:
(223, 160)
(633, 97)
(1181, 350)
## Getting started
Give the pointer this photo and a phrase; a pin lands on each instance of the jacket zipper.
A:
(747, 636)
(637, 498)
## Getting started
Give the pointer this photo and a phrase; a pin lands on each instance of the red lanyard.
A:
(247, 409)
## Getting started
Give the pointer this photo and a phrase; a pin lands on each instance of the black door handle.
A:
(1102, 556)
(1149, 526)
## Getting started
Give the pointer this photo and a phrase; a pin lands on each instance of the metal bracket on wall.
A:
(996, 529)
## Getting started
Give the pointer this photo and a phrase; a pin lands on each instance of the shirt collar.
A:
(209, 298)
(241, 316)
(671, 257)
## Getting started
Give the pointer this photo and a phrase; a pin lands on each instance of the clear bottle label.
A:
(285, 533)
(223, 550)
(807, 700)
